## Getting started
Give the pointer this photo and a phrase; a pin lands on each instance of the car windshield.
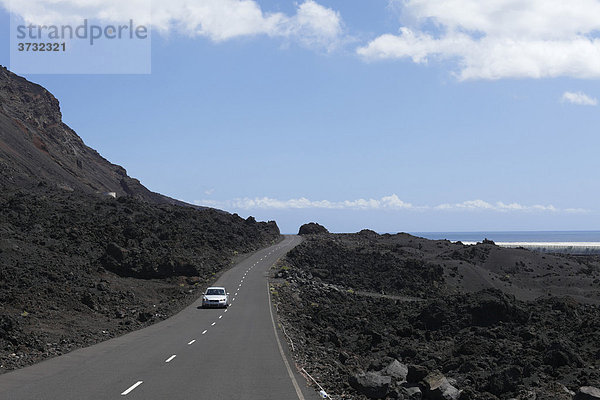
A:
(215, 291)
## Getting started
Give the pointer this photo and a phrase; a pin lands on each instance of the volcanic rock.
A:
(312, 228)
(416, 373)
(442, 306)
(412, 393)
(397, 370)
(437, 387)
(505, 380)
(37, 147)
(371, 384)
(587, 393)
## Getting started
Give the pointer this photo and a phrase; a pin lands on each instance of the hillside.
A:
(36, 146)
(401, 317)
(78, 266)
(403, 264)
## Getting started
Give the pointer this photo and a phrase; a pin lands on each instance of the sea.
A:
(569, 242)
(515, 236)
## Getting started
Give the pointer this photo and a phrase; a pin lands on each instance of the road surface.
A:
(200, 354)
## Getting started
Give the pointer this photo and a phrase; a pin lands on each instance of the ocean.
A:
(570, 242)
(515, 236)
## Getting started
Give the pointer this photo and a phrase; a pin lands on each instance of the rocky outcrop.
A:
(402, 264)
(387, 306)
(312, 228)
(437, 387)
(371, 384)
(397, 370)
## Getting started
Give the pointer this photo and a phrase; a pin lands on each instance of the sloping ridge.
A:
(36, 146)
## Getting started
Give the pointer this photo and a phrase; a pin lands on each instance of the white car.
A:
(215, 297)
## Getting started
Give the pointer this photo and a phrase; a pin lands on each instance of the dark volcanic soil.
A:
(408, 265)
(464, 315)
(76, 269)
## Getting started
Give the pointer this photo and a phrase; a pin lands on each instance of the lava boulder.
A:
(312, 228)
(371, 384)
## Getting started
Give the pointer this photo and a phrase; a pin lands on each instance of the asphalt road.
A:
(197, 354)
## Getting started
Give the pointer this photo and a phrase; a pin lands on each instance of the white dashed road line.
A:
(138, 383)
(170, 358)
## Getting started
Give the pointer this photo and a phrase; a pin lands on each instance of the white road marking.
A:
(233, 299)
(225, 311)
(171, 358)
(204, 332)
(213, 324)
(285, 361)
(192, 342)
(138, 383)
(220, 316)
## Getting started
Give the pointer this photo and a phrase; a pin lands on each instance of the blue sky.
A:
(394, 116)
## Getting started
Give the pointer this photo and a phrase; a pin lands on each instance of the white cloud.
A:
(316, 25)
(579, 98)
(576, 211)
(474, 205)
(219, 20)
(392, 202)
(498, 38)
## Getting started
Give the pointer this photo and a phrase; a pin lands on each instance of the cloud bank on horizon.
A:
(475, 39)
(390, 203)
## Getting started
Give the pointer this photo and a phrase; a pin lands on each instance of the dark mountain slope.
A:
(35, 145)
